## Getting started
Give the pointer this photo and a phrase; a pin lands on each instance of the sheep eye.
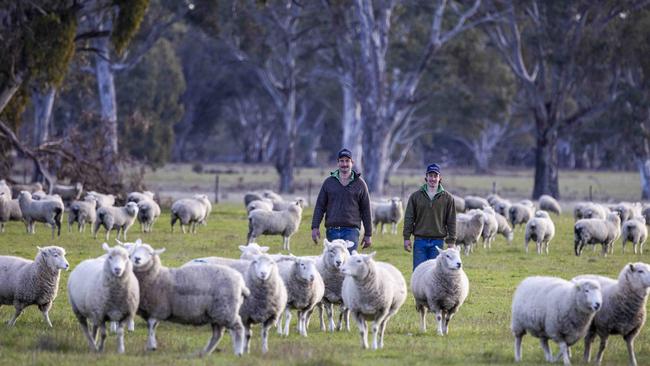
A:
(56, 255)
(358, 260)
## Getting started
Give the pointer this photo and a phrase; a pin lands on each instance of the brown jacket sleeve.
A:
(409, 219)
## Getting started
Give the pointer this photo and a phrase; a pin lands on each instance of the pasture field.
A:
(479, 334)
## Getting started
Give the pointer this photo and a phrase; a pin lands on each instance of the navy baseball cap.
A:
(433, 168)
(345, 153)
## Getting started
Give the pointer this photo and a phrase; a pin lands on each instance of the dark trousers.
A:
(425, 249)
(345, 233)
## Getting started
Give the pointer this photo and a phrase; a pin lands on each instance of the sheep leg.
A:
(363, 329)
(548, 355)
(45, 309)
(518, 338)
(601, 348)
(285, 243)
(629, 342)
(447, 319)
(237, 336)
(382, 329)
(152, 345)
(83, 322)
(329, 309)
(120, 337)
(102, 336)
(564, 353)
(265, 335)
(217, 333)
(287, 321)
(375, 332)
(393, 229)
(422, 310)
(344, 315)
(19, 309)
(439, 319)
(246, 347)
(589, 338)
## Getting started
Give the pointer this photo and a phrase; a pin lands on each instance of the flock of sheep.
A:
(259, 288)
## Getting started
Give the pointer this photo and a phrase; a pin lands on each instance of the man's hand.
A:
(315, 235)
(367, 242)
(407, 245)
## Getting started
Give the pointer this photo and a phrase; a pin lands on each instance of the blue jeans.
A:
(425, 249)
(345, 233)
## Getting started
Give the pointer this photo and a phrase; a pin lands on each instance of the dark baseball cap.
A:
(433, 168)
(345, 153)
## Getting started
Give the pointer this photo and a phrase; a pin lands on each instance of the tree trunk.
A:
(546, 163)
(43, 102)
(376, 160)
(108, 105)
(643, 164)
(352, 132)
(9, 90)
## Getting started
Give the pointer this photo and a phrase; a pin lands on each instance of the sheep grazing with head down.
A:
(83, 212)
(285, 223)
(541, 229)
(148, 213)
(635, 231)
(504, 228)
(596, 231)
(391, 212)
(555, 309)
(469, 228)
(550, 204)
(48, 211)
(68, 192)
(372, 290)
(118, 218)
(472, 202)
(191, 211)
(9, 210)
(519, 214)
(24, 282)
(103, 200)
(441, 286)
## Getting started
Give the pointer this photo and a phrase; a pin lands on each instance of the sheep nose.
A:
(137, 260)
(597, 306)
(311, 277)
(338, 263)
(458, 265)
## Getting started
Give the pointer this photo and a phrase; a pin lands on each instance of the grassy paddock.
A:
(479, 334)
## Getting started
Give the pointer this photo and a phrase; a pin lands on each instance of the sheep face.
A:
(589, 297)
(24, 195)
(336, 252)
(262, 266)
(54, 257)
(638, 275)
(614, 218)
(306, 269)
(358, 265)
(142, 254)
(252, 249)
(117, 259)
(542, 213)
(451, 259)
(132, 208)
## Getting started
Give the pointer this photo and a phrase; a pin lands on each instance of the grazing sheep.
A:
(441, 286)
(24, 282)
(634, 230)
(623, 311)
(191, 211)
(596, 231)
(469, 228)
(285, 223)
(284, 205)
(83, 212)
(387, 212)
(372, 290)
(305, 289)
(519, 214)
(550, 204)
(555, 309)
(48, 211)
(459, 202)
(104, 289)
(492, 198)
(627, 210)
(259, 205)
(68, 193)
(504, 228)
(592, 210)
(31, 188)
(475, 202)
(9, 210)
(139, 196)
(148, 213)
(118, 218)
(329, 263)
(103, 200)
(490, 225)
(194, 295)
(42, 196)
(541, 229)
(269, 194)
(252, 196)
(502, 207)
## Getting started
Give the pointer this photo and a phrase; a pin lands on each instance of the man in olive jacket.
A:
(431, 217)
(344, 201)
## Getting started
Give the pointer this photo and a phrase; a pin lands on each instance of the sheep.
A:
(372, 290)
(252, 196)
(555, 309)
(68, 192)
(387, 212)
(284, 205)
(31, 188)
(519, 214)
(194, 295)
(623, 311)
(596, 231)
(119, 218)
(490, 225)
(259, 205)
(627, 210)
(4, 188)
(492, 198)
(441, 286)
(148, 213)
(541, 229)
(103, 200)
(592, 210)
(459, 202)
(475, 202)
(285, 223)
(139, 196)
(104, 289)
(190, 211)
(9, 210)
(502, 207)
(469, 228)
(635, 231)
(82, 212)
(550, 204)
(269, 194)
(504, 228)
(24, 282)
(329, 263)
(42, 211)
(305, 289)
(42, 196)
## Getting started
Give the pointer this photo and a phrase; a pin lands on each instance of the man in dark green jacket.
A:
(431, 217)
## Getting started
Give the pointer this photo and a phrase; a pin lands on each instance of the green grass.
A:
(479, 334)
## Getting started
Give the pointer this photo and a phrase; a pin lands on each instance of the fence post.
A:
(216, 188)
(309, 191)
(494, 187)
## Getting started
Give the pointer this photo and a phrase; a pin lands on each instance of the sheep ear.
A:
(439, 250)
(242, 248)
(138, 242)
(42, 251)
(354, 252)
(119, 242)
(106, 247)
(159, 251)
(264, 249)
(631, 267)
(370, 256)
(326, 243)
(349, 243)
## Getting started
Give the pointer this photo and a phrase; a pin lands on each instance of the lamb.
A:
(259, 205)
(635, 231)
(623, 311)
(387, 212)
(372, 290)
(139, 196)
(459, 202)
(519, 214)
(148, 213)
(596, 231)
(469, 228)
(541, 229)
(194, 295)
(285, 223)
(104, 289)
(441, 286)
(83, 212)
(329, 264)
(42, 211)
(9, 210)
(119, 218)
(68, 192)
(190, 211)
(504, 228)
(550, 204)
(475, 202)
(24, 282)
(556, 309)
(305, 289)
(103, 200)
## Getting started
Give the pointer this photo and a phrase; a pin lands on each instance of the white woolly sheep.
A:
(104, 289)
(4, 188)
(285, 223)
(550, 204)
(490, 225)
(519, 214)
(329, 263)
(103, 200)
(475, 202)
(635, 231)
(83, 212)
(623, 311)
(627, 210)
(68, 192)
(592, 210)
(391, 212)
(31, 188)
(252, 196)
(502, 206)
(469, 228)
(459, 203)
(272, 196)
(24, 282)
(190, 211)
(305, 289)
(194, 295)
(504, 228)
(148, 213)
(9, 210)
(441, 286)
(555, 309)
(284, 205)
(42, 196)
(139, 196)
(645, 212)
(259, 205)
(596, 231)
(492, 198)
(118, 218)
(40, 211)
(372, 290)
(541, 229)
